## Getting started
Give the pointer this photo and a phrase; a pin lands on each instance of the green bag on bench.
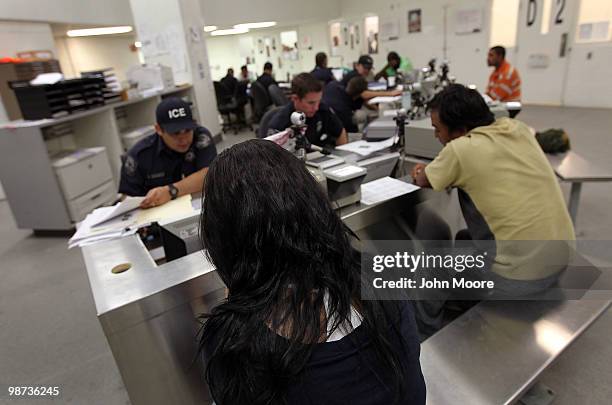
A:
(553, 140)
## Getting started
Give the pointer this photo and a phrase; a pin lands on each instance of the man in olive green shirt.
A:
(507, 189)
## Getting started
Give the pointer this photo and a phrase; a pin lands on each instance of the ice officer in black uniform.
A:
(172, 162)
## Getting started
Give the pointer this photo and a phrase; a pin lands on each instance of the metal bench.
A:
(495, 352)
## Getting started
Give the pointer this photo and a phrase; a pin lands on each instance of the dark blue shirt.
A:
(150, 163)
(347, 371)
(324, 75)
(324, 128)
(335, 96)
(358, 103)
(347, 77)
(266, 80)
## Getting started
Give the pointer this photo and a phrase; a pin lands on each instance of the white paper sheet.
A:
(386, 99)
(384, 189)
(365, 148)
(129, 204)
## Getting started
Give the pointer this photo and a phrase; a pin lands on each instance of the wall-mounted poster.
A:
(389, 29)
(289, 43)
(334, 35)
(260, 46)
(268, 43)
(345, 34)
(306, 42)
(414, 21)
(468, 20)
(371, 31)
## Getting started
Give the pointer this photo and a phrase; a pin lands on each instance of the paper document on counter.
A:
(384, 99)
(125, 218)
(127, 205)
(365, 148)
(384, 189)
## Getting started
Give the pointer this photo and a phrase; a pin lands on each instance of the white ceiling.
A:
(285, 12)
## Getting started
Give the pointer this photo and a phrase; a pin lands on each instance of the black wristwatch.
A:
(173, 191)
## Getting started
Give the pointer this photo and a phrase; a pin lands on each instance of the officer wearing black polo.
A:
(324, 128)
(171, 163)
(342, 101)
(363, 68)
(321, 72)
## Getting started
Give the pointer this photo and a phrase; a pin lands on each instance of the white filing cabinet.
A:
(85, 178)
(56, 193)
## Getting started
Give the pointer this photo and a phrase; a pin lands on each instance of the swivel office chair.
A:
(277, 95)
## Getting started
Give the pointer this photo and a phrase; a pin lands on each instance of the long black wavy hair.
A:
(279, 247)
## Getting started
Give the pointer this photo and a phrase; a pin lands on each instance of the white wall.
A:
(90, 53)
(25, 36)
(107, 12)
(466, 53)
(225, 51)
(589, 83)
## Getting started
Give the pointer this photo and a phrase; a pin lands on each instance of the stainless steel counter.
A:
(148, 313)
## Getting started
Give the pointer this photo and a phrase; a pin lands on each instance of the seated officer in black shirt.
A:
(229, 81)
(266, 78)
(321, 72)
(341, 100)
(363, 68)
(171, 163)
(324, 127)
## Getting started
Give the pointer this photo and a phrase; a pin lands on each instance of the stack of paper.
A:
(124, 218)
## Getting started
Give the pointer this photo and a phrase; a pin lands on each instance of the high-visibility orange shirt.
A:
(505, 83)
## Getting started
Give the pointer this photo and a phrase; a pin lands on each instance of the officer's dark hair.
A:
(243, 67)
(305, 83)
(285, 256)
(499, 50)
(267, 66)
(320, 59)
(356, 86)
(230, 71)
(461, 108)
(393, 56)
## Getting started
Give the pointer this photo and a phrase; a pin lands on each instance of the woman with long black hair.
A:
(293, 329)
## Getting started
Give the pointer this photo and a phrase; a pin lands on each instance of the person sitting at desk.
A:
(507, 190)
(245, 75)
(324, 127)
(363, 68)
(341, 100)
(229, 81)
(266, 78)
(504, 82)
(171, 163)
(321, 72)
(394, 64)
(293, 328)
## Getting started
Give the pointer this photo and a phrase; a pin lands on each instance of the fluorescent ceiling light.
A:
(99, 31)
(138, 44)
(231, 31)
(256, 25)
(210, 28)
